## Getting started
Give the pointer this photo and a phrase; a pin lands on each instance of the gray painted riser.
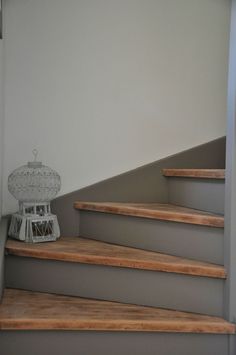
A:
(203, 194)
(4, 223)
(185, 240)
(143, 287)
(108, 343)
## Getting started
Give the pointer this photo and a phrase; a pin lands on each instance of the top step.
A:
(196, 173)
(159, 211)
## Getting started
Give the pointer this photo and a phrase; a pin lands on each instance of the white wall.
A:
(103, 86)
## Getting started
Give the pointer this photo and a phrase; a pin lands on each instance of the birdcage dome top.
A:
(34, 182)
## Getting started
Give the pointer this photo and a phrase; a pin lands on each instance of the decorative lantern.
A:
(34, 185)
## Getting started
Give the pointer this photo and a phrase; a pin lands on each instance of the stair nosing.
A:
(218, 174)
(172, 264)
(182, 216)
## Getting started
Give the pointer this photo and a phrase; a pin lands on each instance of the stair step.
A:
(159, 211)
(26, 310)
(198, 189)
(87, 251)
(196, 173)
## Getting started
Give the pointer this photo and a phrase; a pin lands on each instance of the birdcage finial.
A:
(35, 154)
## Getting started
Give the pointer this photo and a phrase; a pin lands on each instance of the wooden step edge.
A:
(119, 325)
(27, 310)
(195, 173)
(166, 263)
(204, 218)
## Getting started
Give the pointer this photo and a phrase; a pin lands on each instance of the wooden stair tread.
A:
(196, 173)
(160, 211)
(81, 250)
(26, 310)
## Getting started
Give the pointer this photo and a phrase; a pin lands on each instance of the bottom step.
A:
(103, 328)
(25, 310)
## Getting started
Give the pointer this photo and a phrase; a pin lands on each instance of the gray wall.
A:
(230, 197)
(4, 222)
(1, 123)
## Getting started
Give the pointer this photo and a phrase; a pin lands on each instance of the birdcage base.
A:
(34, 229)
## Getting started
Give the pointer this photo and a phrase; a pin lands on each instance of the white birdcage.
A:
(34, 185)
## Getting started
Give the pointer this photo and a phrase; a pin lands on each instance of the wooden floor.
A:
(196, 173)
(25, 310)
(159, 211)
(75, 249)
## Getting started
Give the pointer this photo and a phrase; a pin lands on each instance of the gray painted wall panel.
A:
(108, 343)
(3, 236)
(186, 240)
(145, 184)
(143, 287)
(230, 182)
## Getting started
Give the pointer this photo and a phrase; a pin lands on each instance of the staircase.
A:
(142, 278)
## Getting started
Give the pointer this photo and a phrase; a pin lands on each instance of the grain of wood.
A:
(25, 310)
(159, 211)
(81, 250)
(195, 173)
